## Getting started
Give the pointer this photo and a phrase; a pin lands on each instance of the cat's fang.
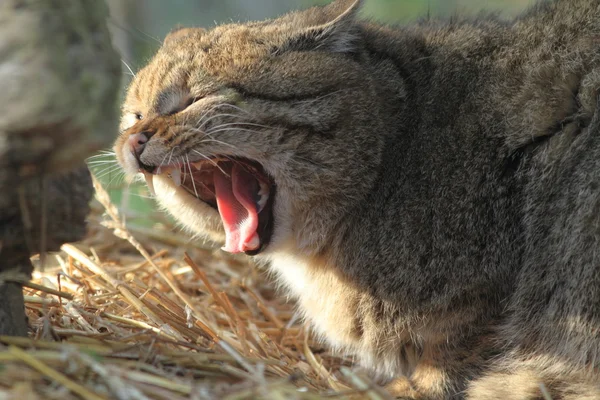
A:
(262, 202)
(176, 176)
(253, 244)
(263, 196)
(150, 183)
(264, 189)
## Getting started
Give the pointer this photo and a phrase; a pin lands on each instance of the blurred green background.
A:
(138, 27)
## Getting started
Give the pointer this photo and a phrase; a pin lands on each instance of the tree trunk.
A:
(59, 76)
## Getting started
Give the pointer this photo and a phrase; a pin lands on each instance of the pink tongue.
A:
(235, 191)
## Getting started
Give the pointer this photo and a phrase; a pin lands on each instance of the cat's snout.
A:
(137, 143)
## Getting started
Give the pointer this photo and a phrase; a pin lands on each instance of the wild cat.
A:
(428, 193)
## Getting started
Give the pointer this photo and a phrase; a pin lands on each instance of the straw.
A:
(125, 314)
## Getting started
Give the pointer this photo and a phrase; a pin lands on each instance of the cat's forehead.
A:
(228, 43)
(206, 58)
(190, 66)
(212, 53)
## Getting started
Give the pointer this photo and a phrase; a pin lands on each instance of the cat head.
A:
(260, 134)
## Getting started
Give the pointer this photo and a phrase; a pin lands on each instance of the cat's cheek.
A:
(195, 215)
(126, 160)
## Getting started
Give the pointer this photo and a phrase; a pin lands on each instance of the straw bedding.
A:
(146, 313)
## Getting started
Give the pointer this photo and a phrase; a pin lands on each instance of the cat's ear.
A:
(181, 32)
(329, 28)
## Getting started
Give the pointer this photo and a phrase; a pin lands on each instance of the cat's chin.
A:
(231, 197)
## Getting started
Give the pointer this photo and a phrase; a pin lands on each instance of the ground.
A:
(140, 311)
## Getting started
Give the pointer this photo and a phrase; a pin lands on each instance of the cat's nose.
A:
(137, 143)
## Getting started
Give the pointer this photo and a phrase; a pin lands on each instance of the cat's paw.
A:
(402, 389)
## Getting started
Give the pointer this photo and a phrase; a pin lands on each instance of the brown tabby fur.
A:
(438, 185)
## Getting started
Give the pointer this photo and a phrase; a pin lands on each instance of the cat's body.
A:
(434, 200)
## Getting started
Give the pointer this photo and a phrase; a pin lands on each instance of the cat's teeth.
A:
(150, 183)
(253, 243)
(197, 165)
(264, 196)
(264, 189)
(176, 176)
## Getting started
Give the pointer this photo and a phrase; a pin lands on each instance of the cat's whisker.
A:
(210, 160)
(162, 162)
(203, 123)
(103, 153)
(116, 180)
(231, 130)
(101, 160)
(239, 124)
(116, 173)
(211, 139)
(178, 175)
(96, 166)
(234, 161)
(101, 157)
(171, 155)
(191, 175)
(206, 188)
(235, 108)
(128, 67)
(100, 169)
(210, 110)
(141, 196)
(105, 175)
(219, 142)
(181, 167)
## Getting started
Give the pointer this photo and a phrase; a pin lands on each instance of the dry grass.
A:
(150, 315)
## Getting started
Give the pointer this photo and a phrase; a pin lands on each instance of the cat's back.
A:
(479, 102)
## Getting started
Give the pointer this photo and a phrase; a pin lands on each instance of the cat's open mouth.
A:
(239, 189)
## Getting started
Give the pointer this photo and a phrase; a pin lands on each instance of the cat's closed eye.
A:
(184, 105)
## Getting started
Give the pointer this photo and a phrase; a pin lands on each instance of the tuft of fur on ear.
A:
(181, 32)
(328, 28)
